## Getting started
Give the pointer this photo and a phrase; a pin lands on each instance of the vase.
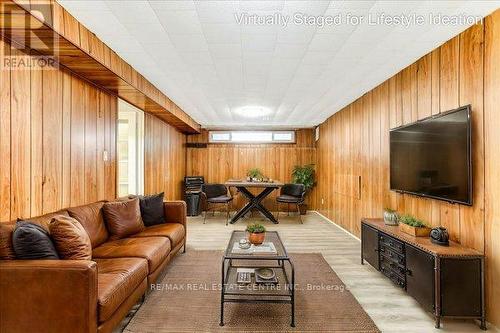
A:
(391, 218)
(256, 238)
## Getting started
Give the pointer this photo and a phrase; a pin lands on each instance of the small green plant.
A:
(255, 173)
(411, 221)
(256, 228)
(304, 174)
(389, 210)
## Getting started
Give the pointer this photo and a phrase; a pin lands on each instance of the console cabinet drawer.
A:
(392, 243)
(396, 278)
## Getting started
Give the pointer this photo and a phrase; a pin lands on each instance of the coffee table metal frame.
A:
(282, 266)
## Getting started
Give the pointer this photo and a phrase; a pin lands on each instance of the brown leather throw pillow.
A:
(6, 248)
(123, 218)
(70, 238)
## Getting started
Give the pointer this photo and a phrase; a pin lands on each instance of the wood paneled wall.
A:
(164, 158)
(220, 162)
(353, 149)
(62, 37)
(54, 129)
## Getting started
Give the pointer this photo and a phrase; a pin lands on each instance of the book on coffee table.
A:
(264, 248)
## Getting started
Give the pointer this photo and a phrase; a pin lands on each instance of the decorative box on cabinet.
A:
(446, 280)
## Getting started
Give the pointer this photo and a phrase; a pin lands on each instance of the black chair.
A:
(291, 194)
(215, 194)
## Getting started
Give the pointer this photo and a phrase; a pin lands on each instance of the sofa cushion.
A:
(153, 249)
(45, 220)
(70, 238)
(91, 218)
(123, 218)
(174, 231)
(116, 280)
(6, 249)
(31, 241)
(152, 209)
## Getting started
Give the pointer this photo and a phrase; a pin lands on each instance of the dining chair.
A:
(291, 194)
(215, 195)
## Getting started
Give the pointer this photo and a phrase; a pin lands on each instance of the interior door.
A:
(370, 245)
(420, 277)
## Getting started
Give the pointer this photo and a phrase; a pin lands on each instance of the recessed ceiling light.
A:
(253, 111)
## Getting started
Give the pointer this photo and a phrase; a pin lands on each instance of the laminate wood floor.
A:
(390, 307)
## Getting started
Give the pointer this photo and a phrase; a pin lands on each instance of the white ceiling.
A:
(199, 56)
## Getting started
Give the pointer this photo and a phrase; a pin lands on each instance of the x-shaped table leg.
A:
(254, 202)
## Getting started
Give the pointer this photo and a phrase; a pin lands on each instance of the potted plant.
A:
(412, 226)
(390, 216)
(304, 174)
(257, 233)
(254, 174)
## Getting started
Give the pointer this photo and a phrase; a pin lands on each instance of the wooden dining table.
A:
(254, 201)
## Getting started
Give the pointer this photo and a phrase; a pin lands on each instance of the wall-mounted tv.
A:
(432, 157)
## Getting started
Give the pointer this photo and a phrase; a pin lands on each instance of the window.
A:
(252, 136)
(130, 149)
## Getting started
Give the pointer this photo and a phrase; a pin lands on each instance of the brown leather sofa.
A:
(88, 296)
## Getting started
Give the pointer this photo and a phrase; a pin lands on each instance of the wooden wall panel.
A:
(471, 92)
(164, 158)
(220, 162)
(464, 70)
(20, 116)
(52, 140)
(492, 163)
(36, 113)
(78, 91)
(5, 142)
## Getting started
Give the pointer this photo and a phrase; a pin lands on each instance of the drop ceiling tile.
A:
(225, 51)
(197, 58)
(180, 21)
(290, 50)
(263, 5)
(83, 6)
(147, 33)
(317, 58)
(130, 11)
(328, 42)
(189, 42)
(222, 33)
(171, 5)
(205, 62)
(260, 42)
(258, 58)
(217, 11)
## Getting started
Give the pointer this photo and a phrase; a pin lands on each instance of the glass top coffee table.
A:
(278, 290)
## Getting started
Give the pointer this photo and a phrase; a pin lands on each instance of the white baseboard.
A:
(342, 228)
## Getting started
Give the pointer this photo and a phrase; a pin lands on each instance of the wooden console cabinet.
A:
(446, 280)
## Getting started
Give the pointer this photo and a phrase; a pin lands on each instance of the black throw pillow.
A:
(152, 209)
(31, 241)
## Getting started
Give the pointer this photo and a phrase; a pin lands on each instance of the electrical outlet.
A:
(105, 155)
(322, 201)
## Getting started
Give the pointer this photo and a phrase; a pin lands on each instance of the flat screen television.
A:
(432, 157)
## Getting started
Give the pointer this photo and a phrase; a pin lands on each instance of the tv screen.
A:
(432, 157)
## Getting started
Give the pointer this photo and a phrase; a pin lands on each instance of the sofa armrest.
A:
(48, 296)
(175, 211)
